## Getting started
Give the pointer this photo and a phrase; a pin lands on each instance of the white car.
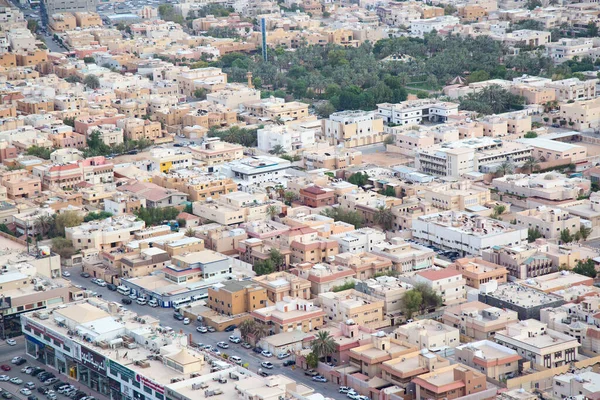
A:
(25, 392)
(236, 360)
(202, 329)
(4, 378)
(101, 282)
(66, 273)
(186, 321)
(16, 381)
(234, 339)
(223, 345)
(11, 342)
(15, 360)
(266, 353)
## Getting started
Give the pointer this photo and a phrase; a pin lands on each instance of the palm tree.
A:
(272, 211)
(189, 232)
(43, 223)
(323, 344)
(506, 168)
(384, 217)
(531, 164)
(277, 149)
(259, 332)
(246, 328)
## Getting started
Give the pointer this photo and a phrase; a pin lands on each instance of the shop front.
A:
(92, 371)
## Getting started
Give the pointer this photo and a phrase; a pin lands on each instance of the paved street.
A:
(165, 315)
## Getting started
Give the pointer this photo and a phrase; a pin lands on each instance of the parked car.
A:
(281, 356)
(236, 359)
(111, 287)
(230, 328)
(21, 361)
(32, 397)
(266, 353)
(311, 372)
(257, 350)
(352, 395)
(266, 364)
(126, 300)
(43, 390)
(27, 370)
(153, 303)
(36, 371)
(141, 301)
(319, 378)
(11, 342)
(202, 329)
(133, 296)
(25, 391)
(344, 389)
(246, 345)
(30, 385)
(263, 373)
(84, 275)
(6, 395)
(178, 316)
(4, 378)
(208, 347)
(66, 274)
(101, 282)
(289, 363)
(16, 359)
(5, 367)
(234, 339)
(211, 329)
(223, 345)
(16, 381)
(186, 321)
(50, 381)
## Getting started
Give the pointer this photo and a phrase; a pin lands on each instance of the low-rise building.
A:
(405, 256)
(359, 241)
(290, 314)
(146, 262)
(478, 272)
(448, 283)
(478, 320)
(403, 369)
(525, 301)
(428, 334)
(353, 128)
(213, 151)
(389, 289)
(284, 284)
(413, 112)
(369, 357)
(494, 360)
(454, 381)
(533, 341)
(237, 297)
(104, 234)
(353, 305)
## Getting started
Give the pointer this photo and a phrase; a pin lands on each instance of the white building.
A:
(448, 283)
(289, 137)
(419, 27)
(465, 232)
(416, 111)
(360, 240)
(255, 170)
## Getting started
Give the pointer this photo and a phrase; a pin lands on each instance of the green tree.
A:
(389, 139)
(533, 234)
(389, 191)
(69, 121)
(66, 219)
(246, 328)
(587, 268)
(41, 152)
(478, 76)
(349, 217)
(384, 217)
(312, 360)
(272, 211)
(264, 267)
(276, 258)
(566, 236)
(32, 25)
(344, 286)
(492, 99)
(506, 168)
(63, 247)
(97, 215)
(411, 302)
(289, 197)
(91, 81)
(592, 29)
(530, 135)
(531, 164)
(323, 344)
(584, 232)
(89, 60)
(359, 178)
(277, 149)
(156, 215)
(533, 4)
(73, 79)
(43, 223)
(190, 232)
(200, 94)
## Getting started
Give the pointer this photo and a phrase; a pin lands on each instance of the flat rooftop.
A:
(522, 296)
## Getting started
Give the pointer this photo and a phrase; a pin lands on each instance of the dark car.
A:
(264, 373)
(230, 328)
(6, 395)
(111, 287)
(85, 275)
(289, 363)
(58, 384)
(257, 350)
(42, 389)
(32, 397)
(178, 317)
(37, 371)
(79, 395)
(21, 361)
(126, 300)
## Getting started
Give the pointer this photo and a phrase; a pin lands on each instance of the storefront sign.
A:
(93, 360)
(123, 371)
(152, 385)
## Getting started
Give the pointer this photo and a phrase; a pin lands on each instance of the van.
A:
(124, 290)
(153, 303)
(141, 301)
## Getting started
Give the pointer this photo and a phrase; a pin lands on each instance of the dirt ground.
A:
(386, 159)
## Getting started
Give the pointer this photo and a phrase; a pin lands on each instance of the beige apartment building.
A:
(550, 222)
(104, 234)
(144, 263)
(331, 158)
(353, 128)
(581, 115)
(283, 284)
(210, 79)
(478, 272)
(495, 361)
(361, 308)
(214, 151)
(573, 89)
(275, 108)
(234, 208)
(369, 358)
(87, 19)
(137, 128)
(478, 320)
(20, 184)
(428, 334)
(198, 186)
(236, 297)
(61, 22)
(533, 341)
(456, 196)
(402, 370)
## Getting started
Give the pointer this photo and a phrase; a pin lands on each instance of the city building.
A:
(428, 334)
(525, 301)
(478, 320)
(290, 314)
(237, 297)
(284, 284)
(478, 272)
(104, 234)
(415, 111)
(353, 305)
(494, 360)
(448, 283)
(353, 128)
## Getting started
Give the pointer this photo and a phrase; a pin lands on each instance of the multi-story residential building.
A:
(565, 49)
(237, 297)
(525, 301)
(331, 158)
(428, 334)
(284, 284)
(68, 140)
(413, 112)
(478, 320)
(549, 222)
(323, 277)
(274, 109)
(365, 265)
(137, 128)
(256, 170)
(522, 262)
(574, 89)
(452, 382)
(20, 184)
(402, 370)
(156, 196)
(353, 305)
(143, 263)
(456, 196)
(111, 135)
(122, 203)
(405, 256)
(478, 272)
(369, 357)
(308, 246)
(387, 288)
(213, 151)
(552, 150)
(104, 234)
(461, 157)
(233, 95)
(55, 6)
(420, 27)
(448, 283)
(359, 241)
(93, 170)
(581, 115)
(290, 314)
(198, 185)
(548, 187)
(466, 233)
(533, 341)
(554, 282)
(495, 361)
(353, 128)
(315, 196)
(234, 208)
(573, 384)
(210, 79)
(60, 22)
(288, 137)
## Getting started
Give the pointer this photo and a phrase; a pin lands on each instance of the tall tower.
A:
(249, 77)
(263, 30)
